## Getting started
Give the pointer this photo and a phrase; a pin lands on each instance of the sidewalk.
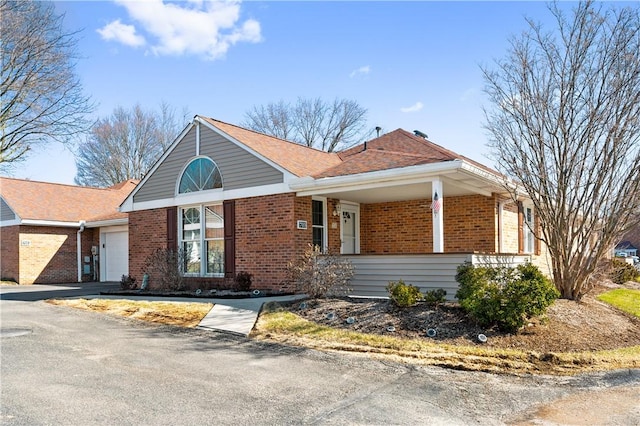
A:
(237, 316)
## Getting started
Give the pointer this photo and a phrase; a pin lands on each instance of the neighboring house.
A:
(399, 206)
(626, 249)
(53, 233)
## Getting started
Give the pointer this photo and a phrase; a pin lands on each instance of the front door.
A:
(349, 232)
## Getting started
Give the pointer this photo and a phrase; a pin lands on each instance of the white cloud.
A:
(413, 108)
(125, 34)
(201, 28)
(360, 71)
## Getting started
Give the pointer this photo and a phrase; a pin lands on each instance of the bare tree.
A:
(40, 95)
(565, 123)
(125, 145)
(312, 122)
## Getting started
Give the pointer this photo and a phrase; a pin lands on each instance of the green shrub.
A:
(502, 296)
(435, 297)
(621, 272)
(403, 294)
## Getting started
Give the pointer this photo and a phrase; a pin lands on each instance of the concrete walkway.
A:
(237, 316)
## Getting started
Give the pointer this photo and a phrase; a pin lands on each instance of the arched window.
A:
(201, 174)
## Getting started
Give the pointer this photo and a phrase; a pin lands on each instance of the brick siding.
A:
(405, 227)
(9, 253)
(48, 256)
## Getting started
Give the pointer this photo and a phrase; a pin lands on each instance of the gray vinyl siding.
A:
(372, 273)
(5, 211)
(239, 169)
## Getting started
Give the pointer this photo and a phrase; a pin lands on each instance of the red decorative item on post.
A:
(435, 204)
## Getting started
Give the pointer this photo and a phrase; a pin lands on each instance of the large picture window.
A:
(202, 240)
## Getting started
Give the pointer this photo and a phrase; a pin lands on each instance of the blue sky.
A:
(413, 65)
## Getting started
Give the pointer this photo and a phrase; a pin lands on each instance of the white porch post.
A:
(437, 213)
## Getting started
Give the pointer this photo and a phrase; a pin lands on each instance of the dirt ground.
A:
(569, 326)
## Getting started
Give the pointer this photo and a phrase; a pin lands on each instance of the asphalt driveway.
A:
(64, 366)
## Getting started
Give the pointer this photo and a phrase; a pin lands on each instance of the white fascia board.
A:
(13, 222)
(497, 181)
(286, 173)
(110, 222)
(406, 175)
(129, 200)
(203, 197)
(35, 222)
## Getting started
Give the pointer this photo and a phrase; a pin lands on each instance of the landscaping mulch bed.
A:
(568, 326)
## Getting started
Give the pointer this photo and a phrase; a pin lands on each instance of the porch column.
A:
(437, 213)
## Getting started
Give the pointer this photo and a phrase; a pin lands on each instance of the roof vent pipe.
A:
(421, 134)
(378, 128)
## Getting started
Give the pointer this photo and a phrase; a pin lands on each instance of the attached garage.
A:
(114, 258)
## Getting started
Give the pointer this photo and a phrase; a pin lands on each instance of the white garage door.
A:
(115, 255)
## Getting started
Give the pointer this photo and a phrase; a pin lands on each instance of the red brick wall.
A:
(333, 222)
(51, 255)
(470, 224)
(147, 232)
(405, 227)
(267, 238)
(9, 253)
(400, 227)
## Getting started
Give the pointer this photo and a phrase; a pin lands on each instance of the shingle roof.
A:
(64, 203)
(395, 149)
(295, 158)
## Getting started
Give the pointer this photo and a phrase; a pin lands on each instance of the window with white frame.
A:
(528, 225)
(318, 223)
(202, 240)
(199, 175)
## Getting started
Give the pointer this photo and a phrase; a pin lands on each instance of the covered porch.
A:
(417, 223)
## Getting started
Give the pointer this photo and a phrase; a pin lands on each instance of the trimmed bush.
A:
(505, 297)
(435, 297)
(621, 272)
(402, 294)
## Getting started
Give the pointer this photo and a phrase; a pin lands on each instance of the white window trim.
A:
(325, 231)
(202, 191)
(528, 236)
(203, 267)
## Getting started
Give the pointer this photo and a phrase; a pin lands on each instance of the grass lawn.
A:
(625, 299)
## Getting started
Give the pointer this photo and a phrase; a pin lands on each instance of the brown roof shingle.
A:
(35, 200)
(298, 159)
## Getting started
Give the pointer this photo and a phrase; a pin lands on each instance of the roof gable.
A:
(44, 201)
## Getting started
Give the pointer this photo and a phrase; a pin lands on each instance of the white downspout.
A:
(79, 244)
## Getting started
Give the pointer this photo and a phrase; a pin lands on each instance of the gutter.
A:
(79, 248)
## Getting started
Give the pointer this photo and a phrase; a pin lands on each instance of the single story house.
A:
(398, 206)
(53, 233)
(625, 249)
